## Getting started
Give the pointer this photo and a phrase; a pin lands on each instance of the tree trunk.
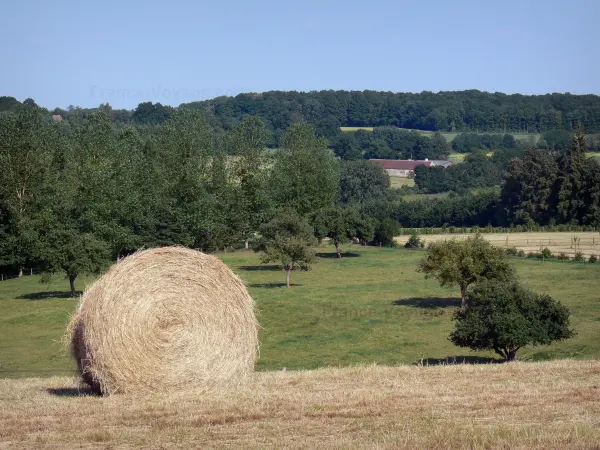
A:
(463, 297)
(20, 272)
(338, 252)
(246, 244)
(72, 284)
(287, 276)
(511, 355)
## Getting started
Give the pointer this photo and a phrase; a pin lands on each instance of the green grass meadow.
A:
(369, 307)
(450, 135)
(398, 182)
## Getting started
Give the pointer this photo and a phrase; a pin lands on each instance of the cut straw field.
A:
(517, 406)
(569, 243)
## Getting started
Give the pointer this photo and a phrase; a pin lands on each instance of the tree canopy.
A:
(287, 238)
(506, 317)
(463, 263)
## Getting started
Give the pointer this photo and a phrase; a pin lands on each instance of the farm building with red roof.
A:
(400, 167)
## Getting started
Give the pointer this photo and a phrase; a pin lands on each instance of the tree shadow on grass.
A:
(271, 285)
(334, 255)
(260, 268)
(429, 302)
(454, 360)
(47, 295)
(72, 392)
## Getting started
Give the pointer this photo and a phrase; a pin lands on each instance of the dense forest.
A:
(328, 110)
(76, 194)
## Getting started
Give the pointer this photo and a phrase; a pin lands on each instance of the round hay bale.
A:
(165, 319)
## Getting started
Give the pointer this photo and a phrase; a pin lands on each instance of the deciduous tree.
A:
(463, 263)
(506, 317)
(341, 225)
(287, 238)
(361, 181)
(305, 174)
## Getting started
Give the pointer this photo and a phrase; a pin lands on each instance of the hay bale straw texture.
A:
(165, 319)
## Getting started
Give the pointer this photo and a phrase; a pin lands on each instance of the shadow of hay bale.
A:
(72, 392)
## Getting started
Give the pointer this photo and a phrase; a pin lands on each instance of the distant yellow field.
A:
(588, 243)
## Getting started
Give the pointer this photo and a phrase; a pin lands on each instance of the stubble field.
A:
(517, 406)
(588, 243)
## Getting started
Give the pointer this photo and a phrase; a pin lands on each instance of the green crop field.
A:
(451, 135)
(398, 182)
(369, 307)
(352, 129)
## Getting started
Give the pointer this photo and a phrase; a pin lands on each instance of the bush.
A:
(546, 253)
(534, 255)
(521, 253)
(385, 232)
(505, 317)
(579, 257)
(563, 257)
(414, 241)
(512, 251)
(593, 259)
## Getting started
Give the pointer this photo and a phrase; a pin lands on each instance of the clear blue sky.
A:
(82, 53)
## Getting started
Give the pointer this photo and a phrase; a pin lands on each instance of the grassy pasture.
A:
(557, 242)
(451, 135)
(353, 129)
(398, 182)
(369, 307)
(518, 406)
(411, 197)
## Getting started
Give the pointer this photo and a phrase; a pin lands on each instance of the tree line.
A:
(455, 111)
(390, 143)
(476, 171)
(75, 196)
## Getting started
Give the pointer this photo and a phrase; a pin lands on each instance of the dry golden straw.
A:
(165, 319)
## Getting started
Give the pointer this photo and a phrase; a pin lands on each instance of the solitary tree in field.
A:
(342, 224)
(505, 317)
(287, 238)
(68, 250)
(465, 262)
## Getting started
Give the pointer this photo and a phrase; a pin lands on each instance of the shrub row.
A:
(546, 254)
(490, 229)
